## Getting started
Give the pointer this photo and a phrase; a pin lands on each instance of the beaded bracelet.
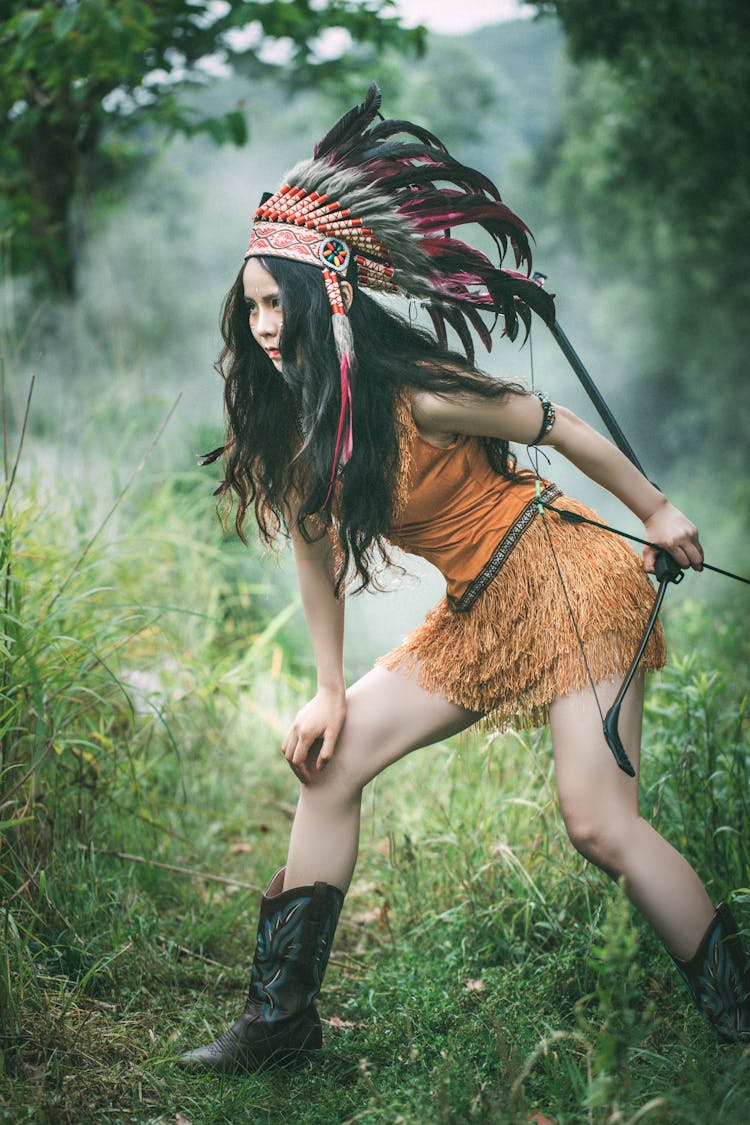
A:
(548, 417)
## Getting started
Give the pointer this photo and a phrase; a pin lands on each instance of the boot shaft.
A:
(718, 978)
(295, 934)
(279, 1023)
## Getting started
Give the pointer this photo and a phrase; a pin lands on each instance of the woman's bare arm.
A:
(518, 418)
(311, 739)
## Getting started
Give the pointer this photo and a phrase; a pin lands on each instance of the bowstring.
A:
(533, 452)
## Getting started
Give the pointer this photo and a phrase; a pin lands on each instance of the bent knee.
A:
(336, 782)
(601, 841)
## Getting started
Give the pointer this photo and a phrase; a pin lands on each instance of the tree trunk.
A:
(52, 159)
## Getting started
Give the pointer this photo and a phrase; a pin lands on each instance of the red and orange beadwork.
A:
(333, 289)
(309, 228)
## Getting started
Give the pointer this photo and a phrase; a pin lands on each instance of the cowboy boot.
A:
(295, 932)
(718, 978)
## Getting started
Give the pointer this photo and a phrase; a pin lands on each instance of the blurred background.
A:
(137, 141)
(134, 152)
(150, 663)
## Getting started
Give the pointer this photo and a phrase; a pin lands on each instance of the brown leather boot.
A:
(280, 1022)
(718, 978)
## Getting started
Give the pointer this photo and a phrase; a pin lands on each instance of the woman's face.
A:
(263, 304)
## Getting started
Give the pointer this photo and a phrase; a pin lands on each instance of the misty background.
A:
(164, 240)
(151, 663)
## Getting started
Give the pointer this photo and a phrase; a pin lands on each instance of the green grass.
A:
(482, 970)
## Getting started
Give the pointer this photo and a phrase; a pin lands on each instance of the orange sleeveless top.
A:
(456, 510)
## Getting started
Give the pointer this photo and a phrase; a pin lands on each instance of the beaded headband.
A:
(389, 205)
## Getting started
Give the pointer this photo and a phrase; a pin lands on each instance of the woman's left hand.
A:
(673, 532)
(311, 739)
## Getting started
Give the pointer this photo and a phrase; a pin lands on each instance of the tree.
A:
(673, 105)
(649, 170)
(76, 73)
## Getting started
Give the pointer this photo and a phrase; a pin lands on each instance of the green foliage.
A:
(74, 74)
(663, 120)
(481, 971)
(699, 784)
(648, 171)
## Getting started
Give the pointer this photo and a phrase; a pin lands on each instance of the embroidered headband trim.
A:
(283, 240)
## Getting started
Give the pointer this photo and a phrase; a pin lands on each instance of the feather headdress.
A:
(387, 194)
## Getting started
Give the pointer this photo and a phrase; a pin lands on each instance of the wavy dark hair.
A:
(281, 427)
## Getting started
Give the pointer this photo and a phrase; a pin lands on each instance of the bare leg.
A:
(599, 804)
(388, 715)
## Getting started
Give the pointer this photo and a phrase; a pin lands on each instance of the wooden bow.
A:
(666, 568)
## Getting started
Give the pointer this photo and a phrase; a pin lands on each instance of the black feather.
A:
(475, 320)
(438, 323)
(351, 124)
(209, 458)
(391, 126)
(455, 317)
(417, 175)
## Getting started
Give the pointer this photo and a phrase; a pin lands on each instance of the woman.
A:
(350, 429)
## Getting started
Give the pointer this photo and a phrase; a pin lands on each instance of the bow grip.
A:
(667, 569)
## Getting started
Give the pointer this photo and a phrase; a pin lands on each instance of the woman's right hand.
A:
(672, 531)
(312, 737)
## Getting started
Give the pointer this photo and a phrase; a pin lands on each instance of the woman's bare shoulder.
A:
(428, 413)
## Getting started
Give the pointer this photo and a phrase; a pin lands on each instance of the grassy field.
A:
(482, 971)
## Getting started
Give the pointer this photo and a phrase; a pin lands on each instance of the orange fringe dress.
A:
(502, 641)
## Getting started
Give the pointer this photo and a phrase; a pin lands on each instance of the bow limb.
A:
(667, 571)
(590, 387)
(595, 395)
(666, 568)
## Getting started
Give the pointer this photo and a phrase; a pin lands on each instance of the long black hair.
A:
(282, 426)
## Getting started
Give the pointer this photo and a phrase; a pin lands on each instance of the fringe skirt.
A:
(516, 650)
